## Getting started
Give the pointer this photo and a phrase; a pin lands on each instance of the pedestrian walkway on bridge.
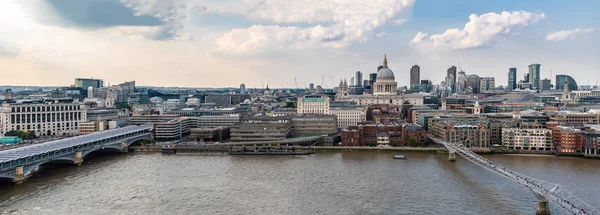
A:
(543, 190)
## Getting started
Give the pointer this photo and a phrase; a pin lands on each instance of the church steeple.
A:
(385, 61)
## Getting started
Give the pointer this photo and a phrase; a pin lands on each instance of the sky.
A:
(223, 43)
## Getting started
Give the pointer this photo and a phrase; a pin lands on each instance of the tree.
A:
(13, 133)
(290, 104)
(24, 135)
(123, 106)
(372, 144)
(412, 142)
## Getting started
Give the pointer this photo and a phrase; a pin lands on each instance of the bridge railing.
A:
(543, 189)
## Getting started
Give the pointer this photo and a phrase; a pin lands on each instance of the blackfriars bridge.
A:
(19, 163)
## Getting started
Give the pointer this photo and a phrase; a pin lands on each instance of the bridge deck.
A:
(549, 191)
(28, 151)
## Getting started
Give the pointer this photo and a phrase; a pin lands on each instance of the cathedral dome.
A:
(385, 74)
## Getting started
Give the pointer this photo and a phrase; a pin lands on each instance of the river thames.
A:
(324, 183)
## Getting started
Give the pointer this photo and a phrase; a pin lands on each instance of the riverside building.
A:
(56, 117)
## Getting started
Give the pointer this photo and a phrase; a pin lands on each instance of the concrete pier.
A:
(78, 157)
(542, 208)
(452, 156)
(19, 175)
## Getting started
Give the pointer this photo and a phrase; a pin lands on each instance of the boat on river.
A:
(399, 157)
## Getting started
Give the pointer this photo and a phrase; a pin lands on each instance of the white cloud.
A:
(381, 34)
(400, 21)
(172, 13)
(480, 31)
(568, 34)
(256, 39)
(335, 24)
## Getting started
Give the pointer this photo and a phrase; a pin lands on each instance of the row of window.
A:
(45, 108)
(43, 126)
(45, 117)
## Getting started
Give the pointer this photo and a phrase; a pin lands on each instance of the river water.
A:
(324, 183)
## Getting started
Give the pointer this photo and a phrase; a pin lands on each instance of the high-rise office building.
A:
(461, 82)
(242, 89)
(512, 78)
(366, 83)
(560, 82)
(85, 83)
(372, 78)
(311, 87)
(451, 78)
(358, 79)
(486, 84)
(319, 89)
(352, 83)
(415, 75)
(545, 84)
(473, 83)
(534, 75)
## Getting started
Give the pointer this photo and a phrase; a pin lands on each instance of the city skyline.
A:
(197, 45)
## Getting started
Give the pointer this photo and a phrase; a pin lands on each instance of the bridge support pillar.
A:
(19, 175)
(542, 208)
(452, 156)
(124, 147)
(78, 158)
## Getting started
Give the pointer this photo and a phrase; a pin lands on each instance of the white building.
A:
(170, 105)
(45, 118)
(311, 104)
(193, 102)
(384, 91)
(385, 83)
(349, 116)
(527, 139)
(218, 120)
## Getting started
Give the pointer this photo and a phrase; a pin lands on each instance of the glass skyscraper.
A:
(512, 78)
(534, 75)
(560, 82)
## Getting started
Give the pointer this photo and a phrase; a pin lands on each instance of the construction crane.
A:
(460, 67)
(322, 80)
(296, 81)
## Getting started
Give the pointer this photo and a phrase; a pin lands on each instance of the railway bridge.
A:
(19, 163)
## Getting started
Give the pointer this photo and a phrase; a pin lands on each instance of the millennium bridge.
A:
(19, 163)
(544, 191)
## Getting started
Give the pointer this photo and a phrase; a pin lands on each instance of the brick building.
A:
(414, 135)
(372, 134)
(567, 139)
(475, 134)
